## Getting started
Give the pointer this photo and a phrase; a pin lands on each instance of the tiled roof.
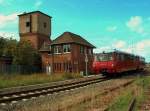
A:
(34, 12)
(68, 37)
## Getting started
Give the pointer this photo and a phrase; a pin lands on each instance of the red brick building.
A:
(67, 53)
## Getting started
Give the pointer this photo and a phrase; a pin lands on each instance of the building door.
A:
(48, 70)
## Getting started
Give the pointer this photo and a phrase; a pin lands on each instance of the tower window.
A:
(45, 25)
(27, 24)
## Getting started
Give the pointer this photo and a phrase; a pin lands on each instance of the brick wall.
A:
(67, 62)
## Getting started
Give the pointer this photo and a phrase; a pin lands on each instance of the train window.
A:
(110, 57)
(104, 57)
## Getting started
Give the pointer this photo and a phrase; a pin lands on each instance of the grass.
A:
(22, 80)
(84, 99)
(143, 83)
(122, 102)
(89, 99)
(95, 101)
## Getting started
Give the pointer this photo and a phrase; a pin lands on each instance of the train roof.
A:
(119, 52)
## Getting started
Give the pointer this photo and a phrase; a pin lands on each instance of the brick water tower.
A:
(35, 27)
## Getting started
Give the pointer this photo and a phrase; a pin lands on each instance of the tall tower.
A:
(35, 27)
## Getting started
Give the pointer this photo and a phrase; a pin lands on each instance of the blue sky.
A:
(108, 24)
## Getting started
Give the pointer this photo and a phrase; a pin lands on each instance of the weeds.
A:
(22, 80)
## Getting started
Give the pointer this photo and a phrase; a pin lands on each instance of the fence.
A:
(18, 69)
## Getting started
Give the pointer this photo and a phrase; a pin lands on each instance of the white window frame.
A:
(57, 49)
(82, 49)
(68, 48)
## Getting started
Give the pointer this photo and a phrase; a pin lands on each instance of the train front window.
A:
(104, 57)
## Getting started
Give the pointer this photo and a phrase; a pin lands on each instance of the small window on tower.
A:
(45, 25)
(27, 24)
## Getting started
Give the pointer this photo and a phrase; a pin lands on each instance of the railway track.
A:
(132, 104)
(8, 98)
(145, 106)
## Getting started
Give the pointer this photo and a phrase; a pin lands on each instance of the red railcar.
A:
(116, 62)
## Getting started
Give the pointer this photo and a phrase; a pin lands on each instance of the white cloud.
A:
(128, 50)
(9, 35)
(119, 44)
(145, 44)
(38, 4)
(111, 28)
(141, 48)
(101, 49)
(5, 20)
(135, 24)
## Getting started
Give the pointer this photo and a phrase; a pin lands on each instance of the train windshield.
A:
(103, 57)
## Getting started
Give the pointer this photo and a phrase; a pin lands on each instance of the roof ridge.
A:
(70, 34)
(69, 37)
(76, 35)
(37, 11)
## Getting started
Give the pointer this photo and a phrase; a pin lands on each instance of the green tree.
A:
(25, 54)
(10, 47)
(2, 45)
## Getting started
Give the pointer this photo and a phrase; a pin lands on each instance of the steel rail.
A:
(42, 87)
(50, 90)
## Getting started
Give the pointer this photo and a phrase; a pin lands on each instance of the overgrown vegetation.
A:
(144, 84)
(22, 52)
(123, 101)
(22, 80)
(91, 98)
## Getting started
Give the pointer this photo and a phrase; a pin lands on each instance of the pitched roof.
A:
(68, 37)
(33, 13)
